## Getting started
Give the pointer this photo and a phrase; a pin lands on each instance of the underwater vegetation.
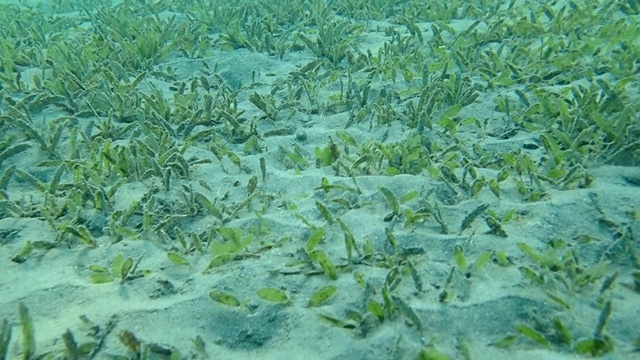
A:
(472, 117)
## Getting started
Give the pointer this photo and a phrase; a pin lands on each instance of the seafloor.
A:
(381, 179)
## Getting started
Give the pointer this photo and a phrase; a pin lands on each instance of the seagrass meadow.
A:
(319, 179)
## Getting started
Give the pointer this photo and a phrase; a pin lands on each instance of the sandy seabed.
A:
(169, 304)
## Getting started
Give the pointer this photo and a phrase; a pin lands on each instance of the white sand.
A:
(171, 305)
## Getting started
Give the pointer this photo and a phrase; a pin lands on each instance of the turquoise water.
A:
(319, 179)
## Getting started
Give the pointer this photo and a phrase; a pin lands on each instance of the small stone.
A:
(301, 135)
